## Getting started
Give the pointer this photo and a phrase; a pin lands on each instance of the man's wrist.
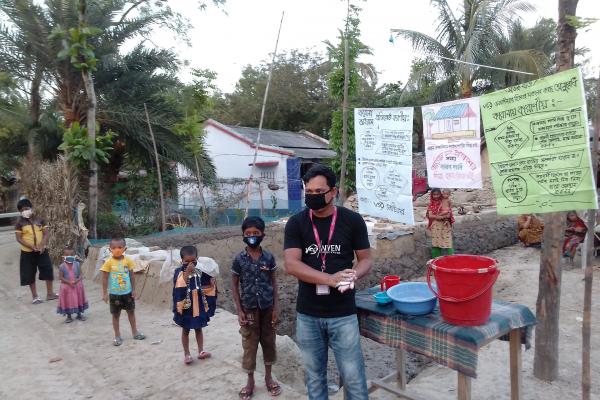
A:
(331, 281)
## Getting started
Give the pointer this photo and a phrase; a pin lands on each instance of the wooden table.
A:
(463, 381)
(448, 345)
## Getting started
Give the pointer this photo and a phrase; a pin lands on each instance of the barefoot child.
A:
(72, 296)
(32, 234)
(191, 308)
(118, 287)
(253, 271)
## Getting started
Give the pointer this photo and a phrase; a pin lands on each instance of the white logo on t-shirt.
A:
(325, 249)
(312, 249)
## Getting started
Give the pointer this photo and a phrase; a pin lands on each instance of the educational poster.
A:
(384, 162)
(539, 147)
(452, 144)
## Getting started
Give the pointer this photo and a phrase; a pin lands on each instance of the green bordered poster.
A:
(539, 147)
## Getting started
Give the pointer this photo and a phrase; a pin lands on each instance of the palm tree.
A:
(122, 83)
(146, 75)
(471, 36)
(525, 49)
(23, 53)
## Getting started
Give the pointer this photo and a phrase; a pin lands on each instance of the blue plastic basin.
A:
(412, 298)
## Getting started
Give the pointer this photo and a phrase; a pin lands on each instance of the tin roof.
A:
(303, 144)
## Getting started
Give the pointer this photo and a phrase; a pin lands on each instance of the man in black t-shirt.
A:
(320, 246)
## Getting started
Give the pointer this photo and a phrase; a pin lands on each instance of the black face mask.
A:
(253, 241)
(316, 201)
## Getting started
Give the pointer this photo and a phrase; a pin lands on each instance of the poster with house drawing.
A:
(539, 147)
(383, 138)
(452, 144)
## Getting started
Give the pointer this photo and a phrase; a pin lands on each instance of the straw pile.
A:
(53, 189)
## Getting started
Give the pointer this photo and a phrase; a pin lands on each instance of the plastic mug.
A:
(389, 281)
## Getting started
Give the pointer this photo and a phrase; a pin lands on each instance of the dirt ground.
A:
(518, 283)
(90, 367)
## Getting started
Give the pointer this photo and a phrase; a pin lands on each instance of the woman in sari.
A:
(440, 220)
(574, 235)
(531, 229)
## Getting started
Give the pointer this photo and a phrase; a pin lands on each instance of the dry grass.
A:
(53, 189)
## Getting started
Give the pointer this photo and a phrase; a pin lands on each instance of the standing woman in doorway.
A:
(439, 215)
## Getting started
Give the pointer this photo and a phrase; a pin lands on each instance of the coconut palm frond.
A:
(532, 61)
(425, 43)
(448, 25)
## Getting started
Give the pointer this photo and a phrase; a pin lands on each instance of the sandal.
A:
(68, 320)
(53, 296)
(37, 300)
(117, 341)
(274, 389)
(188, 359)
(81, 317)
(139, 336)
(204, 355)
(246, 393)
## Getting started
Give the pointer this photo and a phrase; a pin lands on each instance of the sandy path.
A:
(91, 367)
(518, 282)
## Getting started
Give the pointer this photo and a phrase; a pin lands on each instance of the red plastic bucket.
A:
(464, 287)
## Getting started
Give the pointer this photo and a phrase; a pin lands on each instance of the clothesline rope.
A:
(465, 62)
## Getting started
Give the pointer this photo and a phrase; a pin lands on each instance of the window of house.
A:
(456, 123)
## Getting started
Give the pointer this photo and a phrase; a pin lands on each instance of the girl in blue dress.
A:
(192, 308)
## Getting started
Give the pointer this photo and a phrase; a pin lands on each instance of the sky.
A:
(243, 32)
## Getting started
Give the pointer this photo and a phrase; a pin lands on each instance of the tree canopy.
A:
(124, 81)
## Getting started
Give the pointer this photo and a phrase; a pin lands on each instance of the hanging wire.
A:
(465, 62)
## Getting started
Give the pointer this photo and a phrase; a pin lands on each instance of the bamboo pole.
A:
(262, 117)
(163, 218)
(589, 269)
(344, 165)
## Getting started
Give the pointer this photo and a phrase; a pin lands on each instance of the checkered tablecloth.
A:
(453, 346)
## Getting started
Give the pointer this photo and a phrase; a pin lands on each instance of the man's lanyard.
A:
(318, 238)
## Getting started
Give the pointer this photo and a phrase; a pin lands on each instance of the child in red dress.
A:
(72, 296)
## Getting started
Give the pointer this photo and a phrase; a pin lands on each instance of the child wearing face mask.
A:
(72, 296)
(32, 234)
(255, 296)
(194, 301)
(118, 288)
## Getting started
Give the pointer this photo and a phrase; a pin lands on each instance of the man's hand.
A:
(347, 275)
(242, 318)
(133, 293)
(274, 317)
(105, 297)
